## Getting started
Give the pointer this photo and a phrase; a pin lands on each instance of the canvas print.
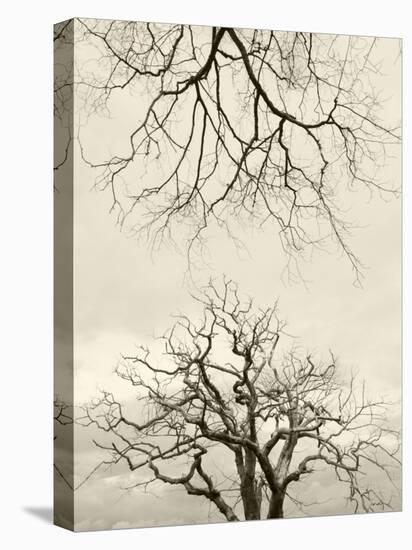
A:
(227, 274)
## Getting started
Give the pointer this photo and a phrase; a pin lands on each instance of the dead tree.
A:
(238, 125)
(225, 394)
(63, 416)
(63, 93)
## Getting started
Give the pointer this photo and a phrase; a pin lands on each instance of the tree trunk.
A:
(251, 503)
(250, 489)
(276, 505)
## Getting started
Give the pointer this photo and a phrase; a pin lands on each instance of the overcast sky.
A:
(124, 297)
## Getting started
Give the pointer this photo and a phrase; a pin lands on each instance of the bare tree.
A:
(63, 415)
(63, 90)
(227, 395)
(238, 125)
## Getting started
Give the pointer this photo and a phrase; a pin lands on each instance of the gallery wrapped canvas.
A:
(227, 274)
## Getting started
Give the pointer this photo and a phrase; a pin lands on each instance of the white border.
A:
(26, 268)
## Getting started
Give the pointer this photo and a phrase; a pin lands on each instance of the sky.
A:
(125, 296)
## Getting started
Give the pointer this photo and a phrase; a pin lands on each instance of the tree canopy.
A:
(234, 126)
(225, 393)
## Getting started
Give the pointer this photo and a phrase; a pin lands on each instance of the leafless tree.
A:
(228, 396)
(63, 415)
(63, 91)
(238, 126)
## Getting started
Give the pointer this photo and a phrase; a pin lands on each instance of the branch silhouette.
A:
(263, 127)
(227, 395)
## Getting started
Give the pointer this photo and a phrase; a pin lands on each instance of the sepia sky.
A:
(125, 296)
